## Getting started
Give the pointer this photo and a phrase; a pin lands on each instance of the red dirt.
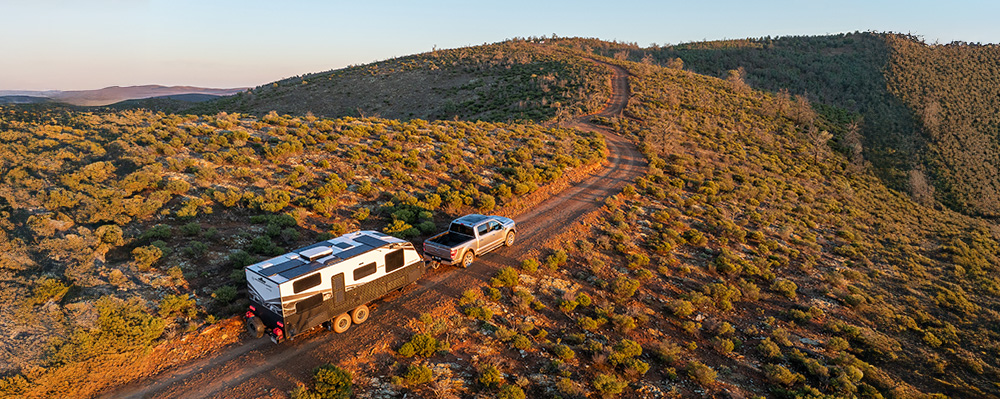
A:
(258, 368)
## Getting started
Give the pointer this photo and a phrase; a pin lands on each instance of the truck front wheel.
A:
(341, 323)
(510, 239)
(468, 259)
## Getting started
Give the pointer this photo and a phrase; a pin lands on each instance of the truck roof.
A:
(310, 258)
(470, 219)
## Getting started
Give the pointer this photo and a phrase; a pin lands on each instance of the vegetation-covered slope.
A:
(752, 259)
(512, 80)
(122, 229)
(928, 112)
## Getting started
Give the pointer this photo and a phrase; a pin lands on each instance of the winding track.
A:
(255, 367)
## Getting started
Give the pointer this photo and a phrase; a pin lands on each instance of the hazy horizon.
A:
(65, 45)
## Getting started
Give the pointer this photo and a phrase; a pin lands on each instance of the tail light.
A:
(253, 309)
(249, 314)
(278, 333)
(454, 252)
(280, 324)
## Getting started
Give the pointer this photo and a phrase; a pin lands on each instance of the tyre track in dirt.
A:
(254, 368)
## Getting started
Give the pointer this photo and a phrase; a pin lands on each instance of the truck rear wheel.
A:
(255, 327)
(341, 323)
(360, 314)
(510, 239)
(468, 259)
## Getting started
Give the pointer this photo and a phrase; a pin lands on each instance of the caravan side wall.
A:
(338, 292)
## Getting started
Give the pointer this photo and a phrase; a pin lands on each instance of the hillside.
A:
(928, 113)
(123, 230)
(513, 80)
(753, 260)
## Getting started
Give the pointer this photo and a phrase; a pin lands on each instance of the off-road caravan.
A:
(328, 283)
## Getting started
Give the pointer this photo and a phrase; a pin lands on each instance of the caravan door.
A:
(338, 289)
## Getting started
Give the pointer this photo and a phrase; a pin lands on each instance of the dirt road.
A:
(254, 368)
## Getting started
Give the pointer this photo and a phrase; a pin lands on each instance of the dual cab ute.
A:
(470, 236)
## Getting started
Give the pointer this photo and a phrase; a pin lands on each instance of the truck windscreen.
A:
(462, 229)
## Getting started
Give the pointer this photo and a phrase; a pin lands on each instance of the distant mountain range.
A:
(111, 95)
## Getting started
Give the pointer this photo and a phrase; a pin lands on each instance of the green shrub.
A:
(146, 256)
(420, 344)
(191, 229)
(47, 289)
(417, 374)
(224, 294)
(785, 287)
(557, 259)
(522, 342)
(490, 376)
(361, 214)
(563, 352)
(769, 349)
(505, 277)
(240, 259)
(333, 382)
(196, 249)
(695, 237)
(837, 344)
(701, 373)
(681, 308)
(529, 265)
(628, 348)
(583, 299)
(624, 287)
(510, 392)
(264, 246)
(177, 305)
(110, 234)
(587, 323)
(567, 306)
(723, 345)
(778, 374)
(608, 384)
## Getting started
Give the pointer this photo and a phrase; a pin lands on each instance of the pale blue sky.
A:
(79, 44)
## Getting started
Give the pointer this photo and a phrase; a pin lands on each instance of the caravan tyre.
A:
(255, 327)
(360, 314)
(341, 323)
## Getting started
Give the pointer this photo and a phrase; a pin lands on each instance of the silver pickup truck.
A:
(470, 236)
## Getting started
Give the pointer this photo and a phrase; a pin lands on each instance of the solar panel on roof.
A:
(372, 241)
(343, 245)
(358, 250)
(281, 267)
(300, 270)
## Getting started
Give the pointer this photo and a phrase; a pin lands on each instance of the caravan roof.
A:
(316, 256)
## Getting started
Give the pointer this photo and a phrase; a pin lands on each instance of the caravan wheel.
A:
(255, 327)
(341, 323)
(360, 314)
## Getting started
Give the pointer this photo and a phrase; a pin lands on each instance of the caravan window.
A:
(393, 260)
(306, 283)
(364, 271)
(308, 303)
